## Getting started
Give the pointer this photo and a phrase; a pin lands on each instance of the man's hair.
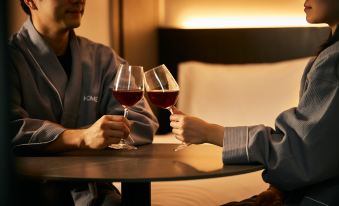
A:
(25, 7)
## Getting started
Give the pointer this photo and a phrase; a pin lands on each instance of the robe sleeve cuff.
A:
(47, 133)
(235, 145)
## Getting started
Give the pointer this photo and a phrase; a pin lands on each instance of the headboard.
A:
(234, 46)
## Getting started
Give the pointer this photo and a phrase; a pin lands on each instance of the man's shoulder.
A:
(99, 51)
(15, 45)
(87, 43)
(20, 38)
(14, 40)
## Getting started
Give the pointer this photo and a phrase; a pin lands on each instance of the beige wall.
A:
(95, 24)
(140, 24)
(16, 16)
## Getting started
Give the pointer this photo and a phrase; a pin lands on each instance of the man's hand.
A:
(109, 129)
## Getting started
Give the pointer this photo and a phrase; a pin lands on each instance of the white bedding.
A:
(239, 94)
(229, 95)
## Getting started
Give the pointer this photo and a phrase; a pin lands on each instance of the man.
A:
(61, 97)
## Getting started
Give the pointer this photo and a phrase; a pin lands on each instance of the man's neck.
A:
(58, 42)
(57, 39)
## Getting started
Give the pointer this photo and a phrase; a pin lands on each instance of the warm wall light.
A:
(244, 22)
(232, 14)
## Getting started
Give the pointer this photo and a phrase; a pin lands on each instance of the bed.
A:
(231, 77)
(234, 46)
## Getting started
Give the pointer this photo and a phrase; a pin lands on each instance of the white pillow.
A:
(234, 95)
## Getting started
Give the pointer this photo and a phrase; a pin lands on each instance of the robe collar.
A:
(69, 90)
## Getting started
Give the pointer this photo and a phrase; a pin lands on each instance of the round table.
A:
(135, 169)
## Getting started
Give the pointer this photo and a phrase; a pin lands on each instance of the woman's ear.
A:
(31, 4)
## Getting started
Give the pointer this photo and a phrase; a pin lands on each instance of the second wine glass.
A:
(162, 90)
(128, 89)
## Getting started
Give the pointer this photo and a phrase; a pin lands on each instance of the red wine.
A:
(128, 97)
(163, 99)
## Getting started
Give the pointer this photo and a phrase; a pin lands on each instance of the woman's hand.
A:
(193, 130)
(271, 197)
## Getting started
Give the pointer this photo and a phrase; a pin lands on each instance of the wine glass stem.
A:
(125, 112)
(125, 115)
(171, 110)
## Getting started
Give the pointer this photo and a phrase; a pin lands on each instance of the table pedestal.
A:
(137, 193)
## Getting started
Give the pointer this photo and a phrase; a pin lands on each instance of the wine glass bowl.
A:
(162, 90)
(161, 87)
(128, 89)
(127, 98)
(163, 99)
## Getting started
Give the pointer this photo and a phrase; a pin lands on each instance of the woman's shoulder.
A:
(331, 51)
(326, 65)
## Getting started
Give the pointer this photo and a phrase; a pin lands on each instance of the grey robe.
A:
(301, 154)
(44, 102)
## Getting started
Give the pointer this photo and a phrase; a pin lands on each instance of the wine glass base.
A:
(122, 146)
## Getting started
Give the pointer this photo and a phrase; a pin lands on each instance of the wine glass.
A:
(162, 90)
(128, 88)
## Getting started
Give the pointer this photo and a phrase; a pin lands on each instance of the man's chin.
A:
(76, 26)
(73, 25)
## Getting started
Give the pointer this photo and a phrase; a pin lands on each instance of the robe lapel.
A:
(72, 97)
(69, 90)
(47, 60)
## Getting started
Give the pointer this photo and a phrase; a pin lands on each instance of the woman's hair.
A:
(331, 40)
(25, 7)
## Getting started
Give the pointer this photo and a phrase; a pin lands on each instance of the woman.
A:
(300, 155)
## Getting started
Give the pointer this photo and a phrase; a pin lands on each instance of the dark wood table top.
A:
(154, 162)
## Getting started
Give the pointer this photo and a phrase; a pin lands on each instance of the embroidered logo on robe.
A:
(90, 98)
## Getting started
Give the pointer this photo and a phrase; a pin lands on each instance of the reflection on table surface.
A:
(154, 162)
